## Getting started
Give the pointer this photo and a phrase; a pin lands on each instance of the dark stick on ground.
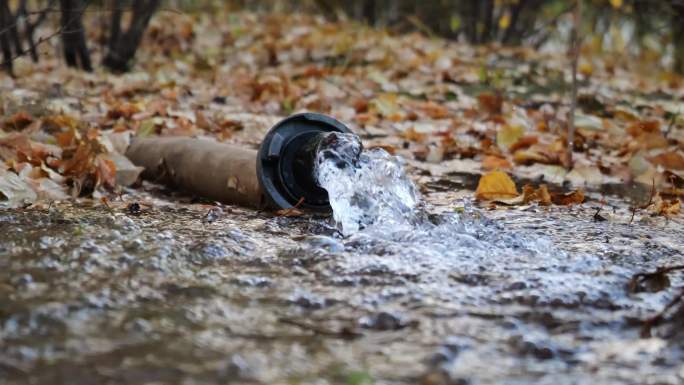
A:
(646, 330)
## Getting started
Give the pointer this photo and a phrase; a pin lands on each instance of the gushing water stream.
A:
(379, 211)
(367, 189)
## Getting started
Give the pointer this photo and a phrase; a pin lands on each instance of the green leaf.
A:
(359, 378)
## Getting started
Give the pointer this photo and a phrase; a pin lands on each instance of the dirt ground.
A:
(176, 292)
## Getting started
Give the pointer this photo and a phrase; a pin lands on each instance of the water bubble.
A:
(366, 189)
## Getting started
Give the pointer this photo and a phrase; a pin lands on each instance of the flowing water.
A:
(399, 287)
(377, 207)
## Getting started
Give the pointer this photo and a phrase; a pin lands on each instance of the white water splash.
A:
(366, 189)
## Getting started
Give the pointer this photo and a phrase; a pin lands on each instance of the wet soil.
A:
(183, 293)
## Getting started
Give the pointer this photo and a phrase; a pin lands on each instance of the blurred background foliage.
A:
(647, 31)
(639, 34)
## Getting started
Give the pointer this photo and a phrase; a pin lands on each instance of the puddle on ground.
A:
(427, 290)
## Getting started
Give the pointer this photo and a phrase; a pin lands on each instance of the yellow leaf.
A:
(616, 3)
(505, 21)
(508, 135)
(496, 185)
(386, 104)
(586, 68)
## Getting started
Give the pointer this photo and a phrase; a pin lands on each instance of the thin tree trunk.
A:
(115, 27)
(678, 35)
(471, 21)
(511, 32)
(28, 30)
(5, 44)
(73, 35)
(576, 45)
(488, 11)
(369, 12)
(11, 23)
(123, 45)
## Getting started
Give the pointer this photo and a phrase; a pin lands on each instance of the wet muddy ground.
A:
(181, 293)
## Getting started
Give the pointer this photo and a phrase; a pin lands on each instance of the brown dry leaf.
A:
(666, 207)
(491, 103)
(18, 121)
(671, 160)
(532, 155)
(80, 163)
(67, 138)
(54, 123)
(541, 195)
(496, 185)
(14, 146)
(651, 140)
(387, 147)
(414, 136)
(433, 110)
(644, 126)
(123, 110)
(105, 172)
(524, 142)
(293, 211)
(571, 198)
(491, 163)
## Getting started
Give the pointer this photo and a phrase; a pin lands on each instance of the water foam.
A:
(367, 189)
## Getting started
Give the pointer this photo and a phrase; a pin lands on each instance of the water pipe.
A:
(278, 175)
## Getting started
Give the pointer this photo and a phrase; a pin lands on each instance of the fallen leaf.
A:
(491, 162)
(665, 207)
(123, 110)
(293, 211)
(491, 103)
(126, 172)
(533, 155)
(540, 195)
(15, 191)
(414, 136)
(18, 121)
(106, 172)
(571, 198)
(508, 135)
(671, 160)
(588, 122)
(644, 126)
(496, 185)
(433, 110)
(524, 142)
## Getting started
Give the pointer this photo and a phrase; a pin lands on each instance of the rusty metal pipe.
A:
(279, 175)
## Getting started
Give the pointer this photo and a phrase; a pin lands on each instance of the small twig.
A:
(104, 10)
(647, 204)
(597, 215)
(292, 211)
(573, 101)
(106, 204)
(659, 274)
(658, 318)
(345, 333)
(640, 277)
(673, 119)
